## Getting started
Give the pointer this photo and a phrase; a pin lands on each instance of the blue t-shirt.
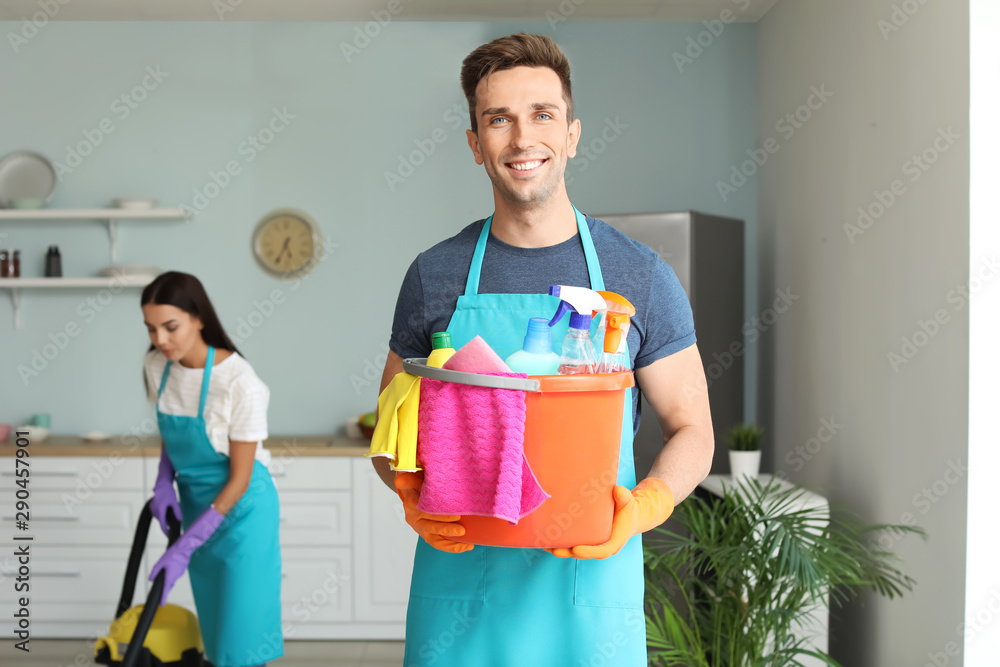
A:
(663, 323)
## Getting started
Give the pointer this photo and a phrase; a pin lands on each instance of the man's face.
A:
(524, 140)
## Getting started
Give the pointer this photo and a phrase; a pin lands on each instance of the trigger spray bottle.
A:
(577, 349)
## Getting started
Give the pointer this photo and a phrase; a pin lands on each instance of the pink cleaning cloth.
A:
(476, 356)
(470, 442)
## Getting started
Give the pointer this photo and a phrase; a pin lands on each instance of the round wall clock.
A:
(287, 243)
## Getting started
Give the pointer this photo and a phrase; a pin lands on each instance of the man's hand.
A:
(434, 528)
(643, 508)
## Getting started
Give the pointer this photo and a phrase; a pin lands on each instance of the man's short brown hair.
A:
(520, 50)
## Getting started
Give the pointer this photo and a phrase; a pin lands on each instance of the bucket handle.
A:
(418, 366)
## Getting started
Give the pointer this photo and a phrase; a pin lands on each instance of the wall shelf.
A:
(110, 216)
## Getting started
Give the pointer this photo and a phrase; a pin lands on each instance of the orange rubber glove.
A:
(643, 508)
(434, 528)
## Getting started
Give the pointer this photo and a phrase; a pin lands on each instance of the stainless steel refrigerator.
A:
(706, 253)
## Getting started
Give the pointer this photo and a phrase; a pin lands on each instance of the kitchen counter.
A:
(279, 446)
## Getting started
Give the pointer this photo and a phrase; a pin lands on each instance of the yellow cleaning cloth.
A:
(395, 434)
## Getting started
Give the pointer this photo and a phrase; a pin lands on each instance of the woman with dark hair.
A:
(212, 412)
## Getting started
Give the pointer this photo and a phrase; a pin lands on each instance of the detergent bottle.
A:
(441, 342)
(612, 332)
(536, 356)
(577, 350)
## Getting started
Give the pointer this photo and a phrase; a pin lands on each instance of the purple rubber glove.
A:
(175, 561)
(164, 496)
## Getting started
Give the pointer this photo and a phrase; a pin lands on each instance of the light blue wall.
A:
(352, 122)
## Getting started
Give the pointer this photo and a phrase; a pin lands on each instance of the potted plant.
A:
(734, 591)
(744, 450)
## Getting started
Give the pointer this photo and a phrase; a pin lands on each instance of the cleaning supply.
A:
(612, 331)
(434, 528)
(442, 349)
(643, 508)
(471, 442)
(476, 356)
(577, 350)
(536, 356)
(175, 561)
(164, 496)
(395, 435)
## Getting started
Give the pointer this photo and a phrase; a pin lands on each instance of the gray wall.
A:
(673, 131)
(874, 431)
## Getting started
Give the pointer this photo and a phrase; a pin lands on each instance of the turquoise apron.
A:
(236, 574)
(504, 607)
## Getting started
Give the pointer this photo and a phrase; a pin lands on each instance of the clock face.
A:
(286, 243)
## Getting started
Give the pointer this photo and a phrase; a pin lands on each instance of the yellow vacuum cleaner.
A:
(149, 635)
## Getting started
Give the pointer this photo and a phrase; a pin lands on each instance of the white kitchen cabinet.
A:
(384, 545)
(346, 551)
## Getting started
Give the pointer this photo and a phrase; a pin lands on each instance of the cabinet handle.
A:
(67, 574)
(46, 518)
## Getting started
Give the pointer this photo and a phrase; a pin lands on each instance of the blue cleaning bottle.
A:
(536, 356)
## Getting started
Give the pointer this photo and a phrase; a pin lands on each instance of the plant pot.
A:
(744, 464)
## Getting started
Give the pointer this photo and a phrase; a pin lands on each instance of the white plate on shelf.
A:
(95, 436)
(127, 271)
(26, 175)
(133, 203)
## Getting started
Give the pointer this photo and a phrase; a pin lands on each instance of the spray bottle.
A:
(577, 350)
(614, 327)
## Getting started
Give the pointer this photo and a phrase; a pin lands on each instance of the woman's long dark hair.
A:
(184, 291)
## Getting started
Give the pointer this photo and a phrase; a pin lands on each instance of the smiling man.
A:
(580, 605)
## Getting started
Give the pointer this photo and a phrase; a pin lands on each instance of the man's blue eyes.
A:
(542, 116)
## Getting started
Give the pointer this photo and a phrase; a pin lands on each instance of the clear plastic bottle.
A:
(441, 342)
(577, 349)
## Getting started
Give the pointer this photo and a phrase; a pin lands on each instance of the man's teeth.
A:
(523, 166)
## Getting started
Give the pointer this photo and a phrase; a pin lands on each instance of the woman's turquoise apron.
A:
(504, 607)
(236, 574)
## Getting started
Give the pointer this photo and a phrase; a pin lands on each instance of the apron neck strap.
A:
(589, 252)
(209, 362)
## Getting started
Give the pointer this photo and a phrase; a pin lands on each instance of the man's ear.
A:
(474, 145)
(573, 138)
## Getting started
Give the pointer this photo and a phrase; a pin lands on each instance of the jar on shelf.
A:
(4, 264)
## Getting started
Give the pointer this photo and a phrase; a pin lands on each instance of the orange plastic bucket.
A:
(572, 437)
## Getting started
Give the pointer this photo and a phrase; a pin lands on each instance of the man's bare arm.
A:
(676, 389)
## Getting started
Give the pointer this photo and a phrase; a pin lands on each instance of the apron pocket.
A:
(612, 582)
(439, 575)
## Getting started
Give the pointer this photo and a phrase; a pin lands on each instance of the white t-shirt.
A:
(236, 406)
